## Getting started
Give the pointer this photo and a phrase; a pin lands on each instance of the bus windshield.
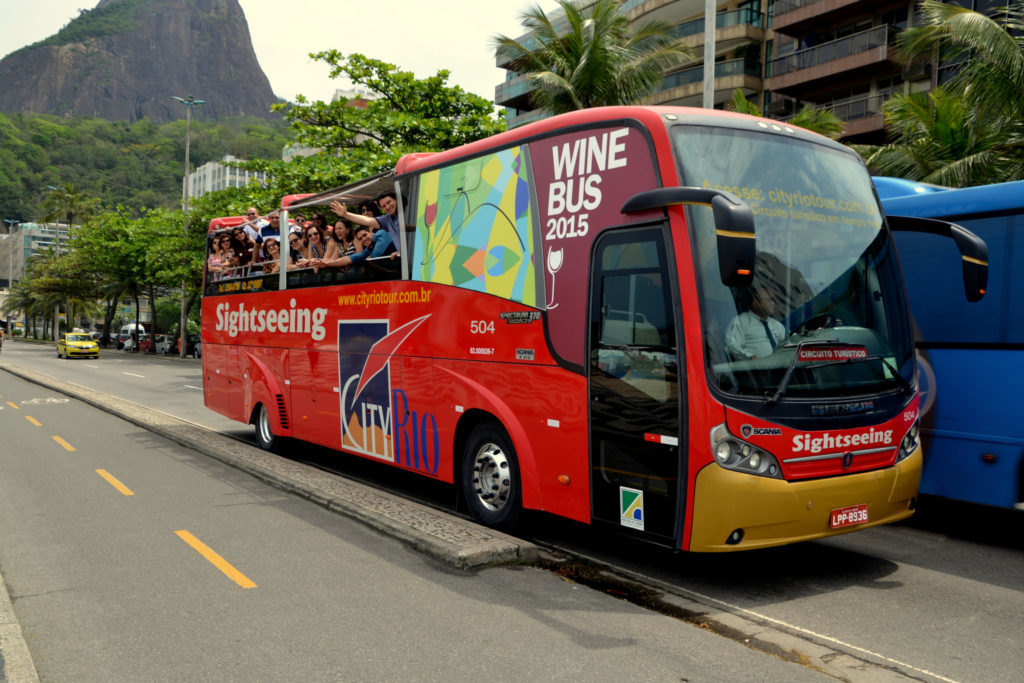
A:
(823, 317)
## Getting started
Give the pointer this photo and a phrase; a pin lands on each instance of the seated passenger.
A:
(316, 245)
(219, 260)
(388, 220)
(373, 246)
(272, 256)
(755, 333)
(341, 241)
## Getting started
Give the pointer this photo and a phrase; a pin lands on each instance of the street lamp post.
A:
(10, 222)
(56, 306)
(189, 102)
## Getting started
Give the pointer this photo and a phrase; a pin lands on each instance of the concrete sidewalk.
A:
(450, 539)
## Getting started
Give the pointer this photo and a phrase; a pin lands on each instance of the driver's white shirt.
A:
(745, 336)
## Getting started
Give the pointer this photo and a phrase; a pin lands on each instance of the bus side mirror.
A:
(973, 250)
(734, 226)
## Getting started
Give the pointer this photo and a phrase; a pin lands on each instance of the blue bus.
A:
(971, 354)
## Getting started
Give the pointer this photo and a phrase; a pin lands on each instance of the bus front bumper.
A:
(769, 512)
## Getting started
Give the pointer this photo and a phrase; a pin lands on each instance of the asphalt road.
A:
(130, 558)
(939, 599)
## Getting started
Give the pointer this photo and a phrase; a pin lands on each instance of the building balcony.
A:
(524, 117)
(739, 17)
(861, 114)
(731, 29)
(793, 17)
(860, 53)
(514, 92)
(686, 87)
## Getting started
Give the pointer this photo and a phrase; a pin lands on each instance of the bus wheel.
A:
(265, 436)
(490, 478)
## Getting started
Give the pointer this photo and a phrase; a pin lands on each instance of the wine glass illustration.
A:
(555, 257)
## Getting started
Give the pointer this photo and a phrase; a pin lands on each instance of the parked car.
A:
(143, 343)
(164, 344)
(194, 347)
(77, 345)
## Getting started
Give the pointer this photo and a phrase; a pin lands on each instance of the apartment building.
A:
(782, 54)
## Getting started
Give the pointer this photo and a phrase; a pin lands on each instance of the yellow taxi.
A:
(77, 345)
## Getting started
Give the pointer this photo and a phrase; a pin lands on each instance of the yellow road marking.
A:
(215, 559)
(112, 480)
(33, 421)
(65, 444)
(13, 405)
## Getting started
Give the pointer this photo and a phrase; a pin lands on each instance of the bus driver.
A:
(755, 333)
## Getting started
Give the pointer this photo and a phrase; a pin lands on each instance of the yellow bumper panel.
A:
(775, 512)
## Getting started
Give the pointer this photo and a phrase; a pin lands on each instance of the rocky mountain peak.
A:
(125, 59)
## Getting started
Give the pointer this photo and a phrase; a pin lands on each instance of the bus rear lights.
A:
(989, 458)
(738, 455)
(564, 479)
(735, 537)
(911, 442)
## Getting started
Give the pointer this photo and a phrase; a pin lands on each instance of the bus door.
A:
(635, 410)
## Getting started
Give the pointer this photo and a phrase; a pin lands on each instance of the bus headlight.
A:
(738, 455)
(911, 441)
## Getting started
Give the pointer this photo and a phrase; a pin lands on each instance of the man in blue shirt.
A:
(388, 221)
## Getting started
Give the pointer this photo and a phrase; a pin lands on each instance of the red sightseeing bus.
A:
(582, 321)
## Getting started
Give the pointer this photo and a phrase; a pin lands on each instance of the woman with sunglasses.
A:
(316, 245)
(272, 254)
(220, 256)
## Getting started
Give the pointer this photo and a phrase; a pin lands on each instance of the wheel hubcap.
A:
(265, 434)
(492, 478)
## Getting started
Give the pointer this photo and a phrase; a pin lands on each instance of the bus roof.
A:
(368, 188)
(226, 222)
(650, 116)
(888, 188)
(954, 203)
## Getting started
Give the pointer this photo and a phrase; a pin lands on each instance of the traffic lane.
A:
(893, 595)
(827, 575)
(106, 586)
(164, 383)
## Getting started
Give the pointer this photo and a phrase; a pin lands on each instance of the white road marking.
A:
(189, 386)
(133, 374)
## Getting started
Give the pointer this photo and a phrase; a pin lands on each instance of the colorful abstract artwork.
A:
(474, 227)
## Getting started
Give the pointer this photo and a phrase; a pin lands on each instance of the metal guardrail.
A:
(833, 50)
(733, 67)
(722, 20)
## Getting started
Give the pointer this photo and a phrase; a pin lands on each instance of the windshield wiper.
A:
(773, 399)
(904, 384)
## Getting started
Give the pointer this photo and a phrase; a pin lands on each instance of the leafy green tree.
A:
(593, 58)
(972, 130)
(402, 114)
(822, 121)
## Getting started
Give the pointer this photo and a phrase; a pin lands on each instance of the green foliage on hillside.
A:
(137, 165)
(95, 23)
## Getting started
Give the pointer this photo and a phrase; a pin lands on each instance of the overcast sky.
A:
(418, 35)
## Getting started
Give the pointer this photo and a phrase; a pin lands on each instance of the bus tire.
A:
(490, 477)
(265, 436)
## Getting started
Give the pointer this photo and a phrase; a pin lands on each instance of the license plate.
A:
(848, 516)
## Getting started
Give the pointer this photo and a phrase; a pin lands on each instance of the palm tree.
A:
(821, 121)
(975, 125)
(593, 58)
(940, 139)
